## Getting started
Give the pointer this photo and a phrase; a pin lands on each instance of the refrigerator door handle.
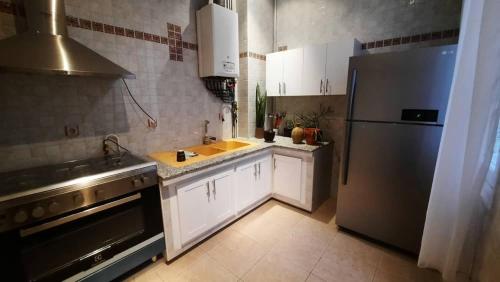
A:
(353, 93)
(347, 147)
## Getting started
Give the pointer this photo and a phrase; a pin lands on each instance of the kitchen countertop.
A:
(169, 172)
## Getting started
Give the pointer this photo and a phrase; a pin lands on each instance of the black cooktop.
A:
(33, 178)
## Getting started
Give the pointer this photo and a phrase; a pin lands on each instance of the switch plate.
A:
(152, 124)
(72, 130)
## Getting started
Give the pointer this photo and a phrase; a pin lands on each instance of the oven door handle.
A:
(73, 217)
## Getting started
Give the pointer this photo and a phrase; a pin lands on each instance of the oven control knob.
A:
(38, 212)
(136, 182)
(144, 179)
(99, 195)
(78, 199)
(54, 207)
(20, 216)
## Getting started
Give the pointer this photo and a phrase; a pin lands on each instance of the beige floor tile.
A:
(381, 276)
(304, 251)
(276, 242)
(344, 267)
(326, 212)
(312, 229)
(265, 233)
(398, 264)
(207, 269)
(314, 278)
(237, 253)
(173, 270)
(206, 245)
(276, 268)
(366, 251)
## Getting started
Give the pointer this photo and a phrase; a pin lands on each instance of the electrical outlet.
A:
(71, 130)
(152, 124)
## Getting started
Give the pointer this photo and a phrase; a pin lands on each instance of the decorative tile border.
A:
(253, 55)
(175, 42)
(437, 35)
(174, 39)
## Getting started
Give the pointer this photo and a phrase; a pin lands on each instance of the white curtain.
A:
(468, 140)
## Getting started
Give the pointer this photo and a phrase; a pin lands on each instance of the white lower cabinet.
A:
(244, 183)
(198, 205)
(253, 182)
(222, 206)
(288, 177)
(204, 204)
(264, 179)
(194, 207)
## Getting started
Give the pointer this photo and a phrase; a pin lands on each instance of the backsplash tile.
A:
(36, 108)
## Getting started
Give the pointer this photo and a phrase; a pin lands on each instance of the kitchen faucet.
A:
(207, 139)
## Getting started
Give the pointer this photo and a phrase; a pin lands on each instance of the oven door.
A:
(72, 243)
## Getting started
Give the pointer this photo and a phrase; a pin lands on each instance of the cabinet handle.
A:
(208, 190)
(326, 87)
(279, 83)
(214, 189)
(321, 87)
(259, 170)
(284, 88)
(274, 163)
(255, 171)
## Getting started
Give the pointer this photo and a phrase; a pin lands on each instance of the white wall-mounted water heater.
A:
(218, 48)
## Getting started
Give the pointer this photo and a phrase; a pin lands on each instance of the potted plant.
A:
(311, 123)
(260, 112)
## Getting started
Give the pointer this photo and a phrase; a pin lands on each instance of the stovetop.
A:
(33, 178)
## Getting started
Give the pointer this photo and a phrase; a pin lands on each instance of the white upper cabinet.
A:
(337, 65)
(292, 72)
(313, 70)
(313, 79)
(283, 73)
(274, 73)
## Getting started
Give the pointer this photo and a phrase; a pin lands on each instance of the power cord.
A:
(106, 148)
(137, 103)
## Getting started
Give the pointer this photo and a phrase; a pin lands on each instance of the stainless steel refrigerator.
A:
(395, 114)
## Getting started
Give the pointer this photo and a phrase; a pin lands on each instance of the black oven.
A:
(62, 246)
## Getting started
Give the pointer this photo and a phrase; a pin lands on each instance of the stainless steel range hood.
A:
(46, 48)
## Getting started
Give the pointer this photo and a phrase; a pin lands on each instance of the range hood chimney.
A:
(46, 48)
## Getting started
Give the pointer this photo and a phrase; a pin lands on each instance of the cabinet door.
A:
(222, 206)
(288, 177)
(313, 77)
(292, 72)
(337, 66)
(245, 178)
(263, 184)
(194, 206)
(274, 73)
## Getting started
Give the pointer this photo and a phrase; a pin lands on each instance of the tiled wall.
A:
(256, 40)
(319, 21)
(35, 108)
(301, 23)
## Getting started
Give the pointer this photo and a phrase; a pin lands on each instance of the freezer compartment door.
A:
(386, 180)
(387, 84)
